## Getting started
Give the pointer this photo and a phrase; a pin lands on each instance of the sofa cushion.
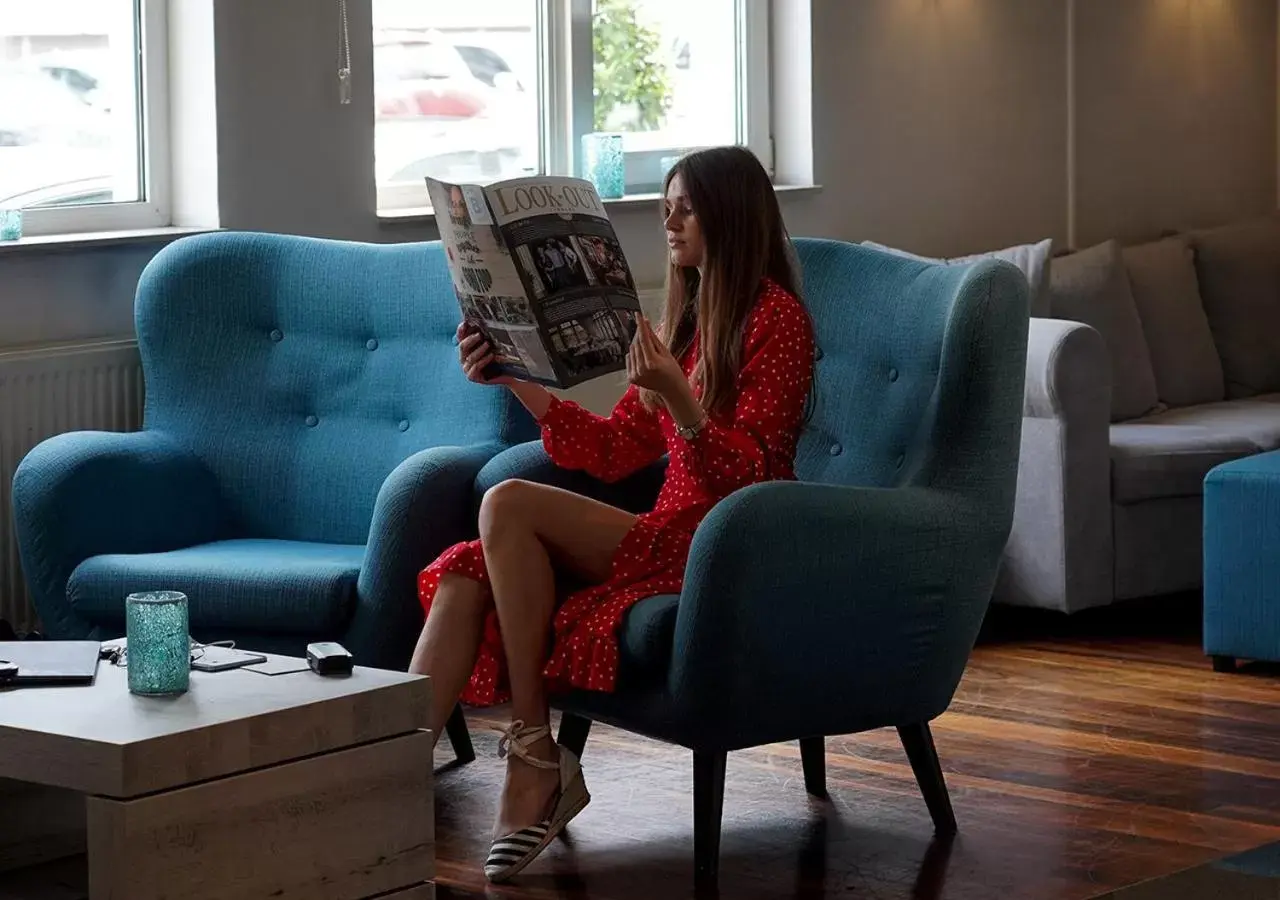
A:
(1256, 419)
(1159, 461)
(1239, 271)
(1035, 261)
(1169, 453)
(1162, 276)
(253, 586)
(1092, 287)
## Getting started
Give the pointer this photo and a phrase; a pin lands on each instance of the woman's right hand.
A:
(475, 353)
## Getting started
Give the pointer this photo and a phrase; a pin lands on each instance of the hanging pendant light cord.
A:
(344, 56)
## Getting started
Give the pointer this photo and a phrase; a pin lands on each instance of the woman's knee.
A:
(457, 592)
(508, 505)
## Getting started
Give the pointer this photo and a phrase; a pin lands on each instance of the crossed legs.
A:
(528, 531)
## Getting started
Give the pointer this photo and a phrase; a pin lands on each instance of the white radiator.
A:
(47, 391)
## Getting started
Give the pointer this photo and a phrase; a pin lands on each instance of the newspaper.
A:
(539, 271)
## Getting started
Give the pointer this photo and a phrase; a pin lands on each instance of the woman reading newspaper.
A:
(721, 387)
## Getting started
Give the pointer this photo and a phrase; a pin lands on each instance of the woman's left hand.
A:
(651, 365)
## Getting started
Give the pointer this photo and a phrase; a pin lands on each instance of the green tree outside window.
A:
(630, 73)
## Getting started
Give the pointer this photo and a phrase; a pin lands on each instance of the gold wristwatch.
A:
(689, 432)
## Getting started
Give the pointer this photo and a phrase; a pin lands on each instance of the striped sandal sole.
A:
(510, 854)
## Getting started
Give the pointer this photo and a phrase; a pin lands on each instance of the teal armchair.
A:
(309, 444)
(850, 599)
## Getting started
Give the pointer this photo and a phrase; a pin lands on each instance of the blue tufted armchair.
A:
(309, 444)
(851, 599)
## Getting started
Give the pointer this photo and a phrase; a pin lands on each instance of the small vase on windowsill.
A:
(604, 164)
(10, 224)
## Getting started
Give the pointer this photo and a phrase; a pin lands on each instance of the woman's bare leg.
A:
(523, 528)
(449, 643)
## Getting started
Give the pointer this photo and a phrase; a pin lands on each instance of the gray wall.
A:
(1175, 114)
(944, 126)
(942, 123)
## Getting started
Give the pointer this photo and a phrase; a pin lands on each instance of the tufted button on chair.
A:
(849, 599)
(276, 480)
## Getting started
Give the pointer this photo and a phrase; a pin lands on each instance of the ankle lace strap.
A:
(516, 739)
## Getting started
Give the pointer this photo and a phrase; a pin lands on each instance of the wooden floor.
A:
(1082, 756)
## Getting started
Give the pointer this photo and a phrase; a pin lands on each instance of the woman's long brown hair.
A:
(746, 241)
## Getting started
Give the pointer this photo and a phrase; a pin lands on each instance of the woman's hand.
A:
(651, 365)
(474, 352)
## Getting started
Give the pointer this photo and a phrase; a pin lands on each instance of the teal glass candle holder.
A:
(604, 164)
(10, 224)
(157, 643)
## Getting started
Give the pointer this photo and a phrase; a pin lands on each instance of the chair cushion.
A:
(648, 631)
(1168, 454)
(246, 586)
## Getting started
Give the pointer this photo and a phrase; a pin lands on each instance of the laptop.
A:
(48, 662)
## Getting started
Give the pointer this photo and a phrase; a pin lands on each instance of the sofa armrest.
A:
(529, 462)
(1060, 553)
(817, 609)
(423, 507)
(1068, 372)
(86, 493)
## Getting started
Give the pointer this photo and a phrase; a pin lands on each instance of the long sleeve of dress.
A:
(757, 442)
(608, 448)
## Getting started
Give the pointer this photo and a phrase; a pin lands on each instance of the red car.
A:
(418, 76)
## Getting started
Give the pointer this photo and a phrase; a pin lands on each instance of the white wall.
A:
(938, 125)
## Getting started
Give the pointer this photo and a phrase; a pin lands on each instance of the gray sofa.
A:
(1158, 362)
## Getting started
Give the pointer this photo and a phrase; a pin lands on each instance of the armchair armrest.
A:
(530, 462)
(423, 507)
(810, 609)
(1060, 552)
(85, 493)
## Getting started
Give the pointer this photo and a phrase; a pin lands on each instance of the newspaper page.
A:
(575, 277)
(491, 293)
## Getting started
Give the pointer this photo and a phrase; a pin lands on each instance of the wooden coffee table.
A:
(249, 785)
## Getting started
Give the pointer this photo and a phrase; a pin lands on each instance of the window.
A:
(82, 135)
(483, 91)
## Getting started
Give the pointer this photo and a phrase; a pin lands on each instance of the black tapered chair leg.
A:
(813, 757)
(459, 736)
(708, 810)
(573, 733)
(917, 740)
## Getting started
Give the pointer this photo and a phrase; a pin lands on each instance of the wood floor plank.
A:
(1082, 755)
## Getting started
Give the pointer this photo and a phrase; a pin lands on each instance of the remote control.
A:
(329, 658)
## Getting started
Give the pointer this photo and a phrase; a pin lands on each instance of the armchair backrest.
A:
(303, 371)
(920, 370)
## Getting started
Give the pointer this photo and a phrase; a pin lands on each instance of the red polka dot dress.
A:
(753, 442)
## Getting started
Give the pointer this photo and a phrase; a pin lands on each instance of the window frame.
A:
(154, 210)
(564, 29)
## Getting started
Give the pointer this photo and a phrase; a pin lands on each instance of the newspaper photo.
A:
(539, 271)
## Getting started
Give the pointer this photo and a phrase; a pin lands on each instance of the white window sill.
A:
(53, 242)
(422, 214)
